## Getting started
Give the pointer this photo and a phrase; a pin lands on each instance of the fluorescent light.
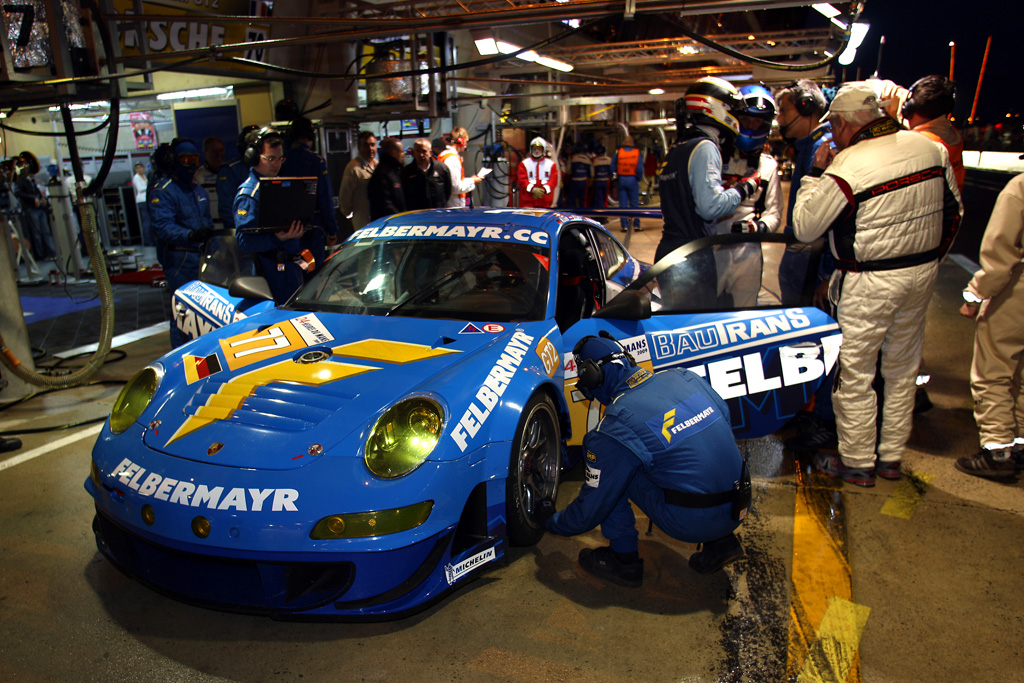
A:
(484, 40)
(841, 24)
(656, 91)
(531, 56)
(555, 64)
(826, 9)
(190, 94)
(857, 34)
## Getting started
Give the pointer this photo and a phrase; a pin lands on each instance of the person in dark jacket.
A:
(665, 443)
(179, 210)
(385, 187)
(426, 184)
(302, 161)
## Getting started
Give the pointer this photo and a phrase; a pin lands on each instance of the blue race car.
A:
(382, 438)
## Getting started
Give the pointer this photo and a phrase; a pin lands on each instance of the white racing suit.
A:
(999, 339)
(740, 265)
(891, 206)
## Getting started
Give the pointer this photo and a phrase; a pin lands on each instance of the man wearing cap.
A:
(179, 210)
(890, 200)
(666, 444)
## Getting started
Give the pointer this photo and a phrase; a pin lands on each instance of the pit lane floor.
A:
(909, 581)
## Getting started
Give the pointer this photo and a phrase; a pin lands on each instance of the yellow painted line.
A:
(903, 501)
(835, 652)
(821, 577)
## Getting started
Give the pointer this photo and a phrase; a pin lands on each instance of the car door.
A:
(713, 307)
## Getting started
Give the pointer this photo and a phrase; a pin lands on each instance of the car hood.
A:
(280, 389)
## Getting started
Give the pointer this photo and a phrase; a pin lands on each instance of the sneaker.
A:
(888, 470)
(833, 466)
(712, 556)
(984, 464)
(818, 435)
(603, 563)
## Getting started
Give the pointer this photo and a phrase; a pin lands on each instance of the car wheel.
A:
(534, 469)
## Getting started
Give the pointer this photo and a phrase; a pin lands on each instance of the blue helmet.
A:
(755, 117)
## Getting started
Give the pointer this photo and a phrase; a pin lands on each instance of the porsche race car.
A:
(385, 436)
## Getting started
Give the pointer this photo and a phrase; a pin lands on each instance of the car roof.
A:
(543, 219)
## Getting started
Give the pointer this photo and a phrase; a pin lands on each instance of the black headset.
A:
(588, 372)
(803, 99)
(251, 156)
(910, 105)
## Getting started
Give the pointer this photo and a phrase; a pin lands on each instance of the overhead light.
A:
(687, 50)
(826, 9)
(838, 22)
(656, 91)
(857, 33)
(192, 94)
(531, 56)
(87, 105)
(484, 40)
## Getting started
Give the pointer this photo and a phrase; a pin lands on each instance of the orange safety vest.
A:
(628, 161)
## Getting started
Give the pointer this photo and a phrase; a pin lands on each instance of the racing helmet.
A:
(713, 102)
(755, 117)
(538, 143)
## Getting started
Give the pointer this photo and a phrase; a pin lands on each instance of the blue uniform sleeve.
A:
(164, 203)
(705, 174)
(610, 470)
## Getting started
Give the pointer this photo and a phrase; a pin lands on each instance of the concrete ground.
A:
(908, 581)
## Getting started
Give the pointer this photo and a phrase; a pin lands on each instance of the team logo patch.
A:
(593, 477)
(591, 457)
(685, 419)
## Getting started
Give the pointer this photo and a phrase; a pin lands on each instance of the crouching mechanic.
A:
(665, 443)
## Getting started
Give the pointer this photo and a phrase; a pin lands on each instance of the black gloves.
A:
(545, 511)
(748, 186)
(200, 236)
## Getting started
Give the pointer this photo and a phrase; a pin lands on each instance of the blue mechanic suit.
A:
(301, 161)
(602, 179)
(692, 202)
(179, 211)
(630, 169)
(665, 432)
(275, 258)
(229, 179)
(580, 170)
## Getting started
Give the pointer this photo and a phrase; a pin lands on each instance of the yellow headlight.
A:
(134, 398)
(380, 523)
(404, 437)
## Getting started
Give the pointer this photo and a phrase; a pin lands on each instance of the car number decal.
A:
(251, 347)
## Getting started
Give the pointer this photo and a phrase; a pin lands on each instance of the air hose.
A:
(99, 269)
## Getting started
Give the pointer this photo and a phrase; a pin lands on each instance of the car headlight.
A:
(134, 398)
(404, 437)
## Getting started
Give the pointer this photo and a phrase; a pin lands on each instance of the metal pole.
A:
(981, 75)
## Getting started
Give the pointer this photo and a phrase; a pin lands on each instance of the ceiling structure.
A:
(617, 47)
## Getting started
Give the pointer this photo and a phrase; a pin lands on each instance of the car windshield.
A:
(424, 278)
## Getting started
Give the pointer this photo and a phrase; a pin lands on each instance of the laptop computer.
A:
(284, 200)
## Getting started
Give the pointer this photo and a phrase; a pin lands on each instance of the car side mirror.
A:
(250, 287)
(629, 304)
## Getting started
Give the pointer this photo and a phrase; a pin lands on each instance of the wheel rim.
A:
(537, 461)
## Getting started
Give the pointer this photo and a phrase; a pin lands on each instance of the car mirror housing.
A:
(629, 304)
(251, 287)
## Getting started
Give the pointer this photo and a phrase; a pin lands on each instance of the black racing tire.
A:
(534, 469)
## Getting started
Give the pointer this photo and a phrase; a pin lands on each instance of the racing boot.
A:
(712, 556)
(991, 464)
(818, 435)
(609, 565)
(833, 466)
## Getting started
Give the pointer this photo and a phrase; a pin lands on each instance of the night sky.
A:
(917, 35)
